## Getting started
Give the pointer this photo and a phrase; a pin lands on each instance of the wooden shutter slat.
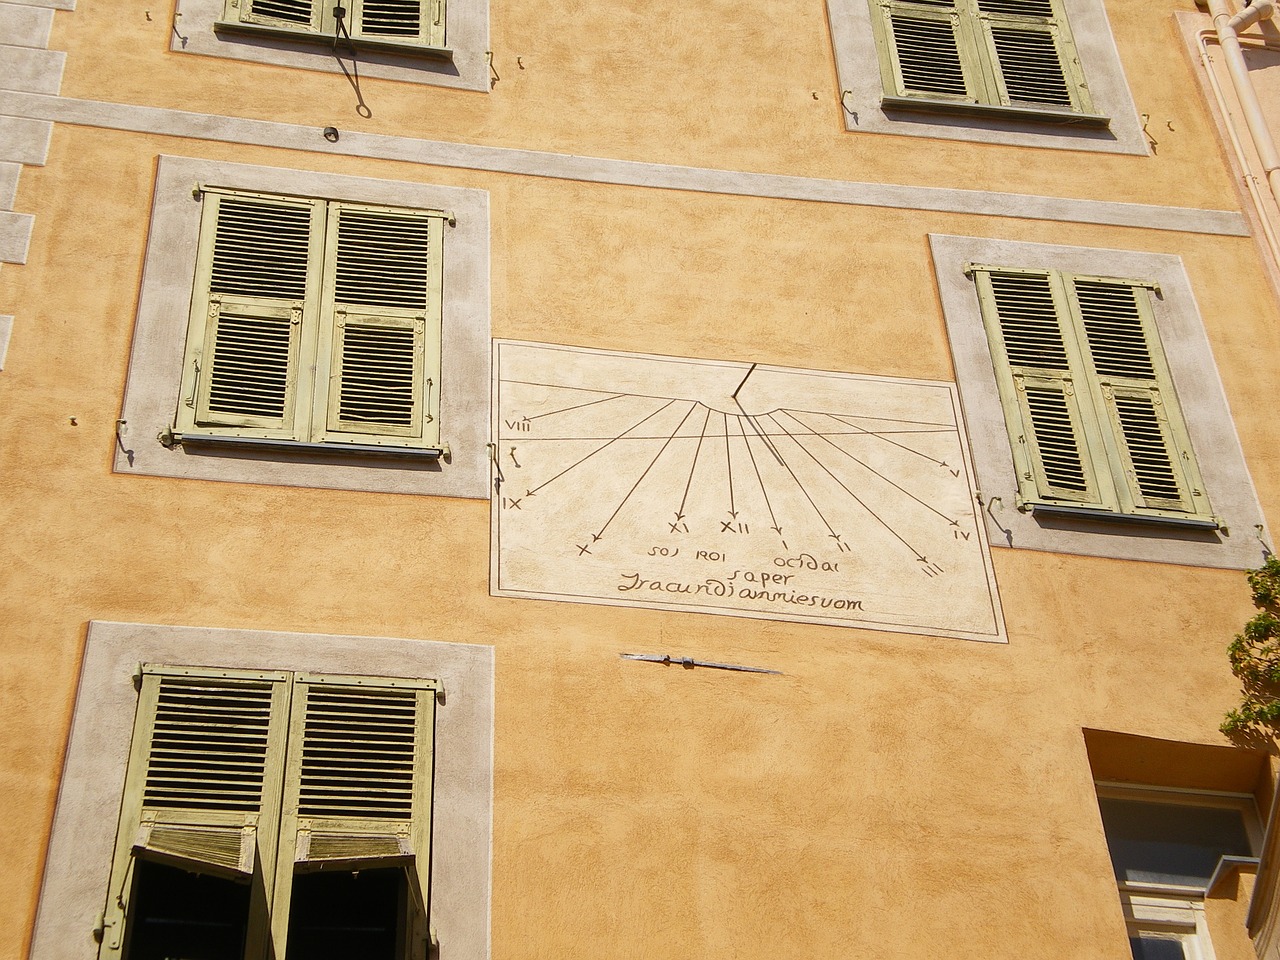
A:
(379, 787)
(261, 249)
(383, 259)
(927, 53)
(1030, 66)
(250, 364)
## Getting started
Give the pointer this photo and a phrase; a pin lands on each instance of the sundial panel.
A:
(723, 487)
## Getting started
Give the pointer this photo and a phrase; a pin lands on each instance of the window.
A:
(1034, 73)
(454, 743)
(279, 415)
(314, 322)
(1166, 847)
(385, 23)
(1012, 54)
(1170, 519)
(273, 811)
(1088, 399)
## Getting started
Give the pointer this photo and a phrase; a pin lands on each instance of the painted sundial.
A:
(730, 488)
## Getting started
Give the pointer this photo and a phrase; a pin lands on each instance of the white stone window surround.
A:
(1238, 544)
(82, 840)
(155, 368)
(858, 66)
(466, 39)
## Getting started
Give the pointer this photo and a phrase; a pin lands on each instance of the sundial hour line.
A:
(640, 479)
(529, 493)
(763, 492)
(579, 406)
(871, 469)
(694, 465)
(872, 433)
(880, 520)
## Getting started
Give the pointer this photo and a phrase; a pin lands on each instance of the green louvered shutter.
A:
(359, 782)
(305, 16)
(923, 50)
(1029, 48)
(381, 341)
(419, 22)
(202, 790)
(1156, 465)
(257, 283)
(1048, 417)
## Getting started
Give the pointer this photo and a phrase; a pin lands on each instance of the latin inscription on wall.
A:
(726, 488)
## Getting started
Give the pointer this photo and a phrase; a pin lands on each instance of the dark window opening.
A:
(176, 915)
(348, 916)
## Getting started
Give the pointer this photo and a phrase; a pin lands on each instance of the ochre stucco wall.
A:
(710, 85)
(888, 796)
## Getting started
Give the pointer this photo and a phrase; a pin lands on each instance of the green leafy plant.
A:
(1255, 658)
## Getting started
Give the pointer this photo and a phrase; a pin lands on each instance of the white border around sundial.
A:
(853, 494)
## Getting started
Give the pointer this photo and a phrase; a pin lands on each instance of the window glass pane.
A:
(1170, 842)
(340, 916)
(178, 914)
(1148, 946)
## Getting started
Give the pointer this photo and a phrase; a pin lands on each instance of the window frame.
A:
(160, 366)
(1091, 398)
(279, 828)
(986, 90)
(310, 414)
(239, 16)
(205, 29)
(859, 63)
(84, 831)
(1176, 911)
(1238, 541)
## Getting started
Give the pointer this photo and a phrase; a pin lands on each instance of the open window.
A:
(269, 812)
(1167, 848)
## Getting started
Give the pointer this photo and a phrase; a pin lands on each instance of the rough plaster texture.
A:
(6, 330)
(604, 170)
(1240, 542)
(861, 90)
(83, 837)
(155, 370)
(25, 26)
(31, 70)
(23, 140)
(466, 36)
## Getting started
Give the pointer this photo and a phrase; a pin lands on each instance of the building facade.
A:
(701, 481)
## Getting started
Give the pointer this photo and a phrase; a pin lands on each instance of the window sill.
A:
(331, 40)
(1039, 115)
(327, 451)
(1109, 516)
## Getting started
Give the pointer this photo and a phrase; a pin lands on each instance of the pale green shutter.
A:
(304, 16)
(253, 312)
(202, 791)
(922, 50)
(380, 338)
(1155, 466)
(359, 784)
(1028, 46)
(1048, 414)
(419, 22)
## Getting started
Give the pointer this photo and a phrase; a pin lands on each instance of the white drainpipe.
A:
(1228, 28)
